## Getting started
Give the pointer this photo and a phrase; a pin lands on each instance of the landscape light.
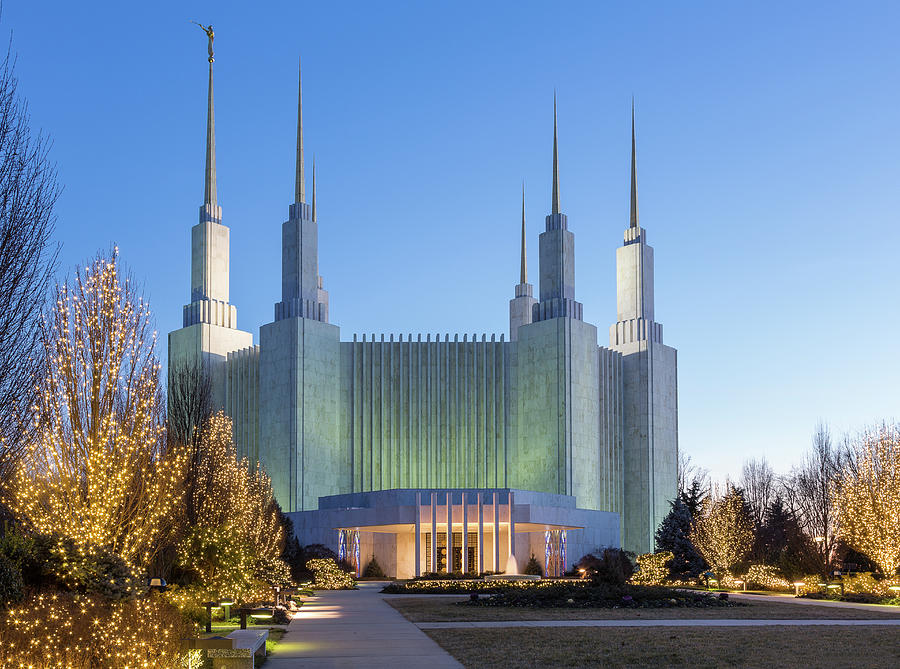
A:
(797, 585)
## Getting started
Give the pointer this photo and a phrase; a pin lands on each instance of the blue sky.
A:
(768, 167)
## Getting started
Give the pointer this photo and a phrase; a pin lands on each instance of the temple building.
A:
(445, 452)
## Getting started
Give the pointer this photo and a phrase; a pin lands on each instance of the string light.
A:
(867, 499)
(328, 576)
(722, 532)
(652, 569)
(97, 470)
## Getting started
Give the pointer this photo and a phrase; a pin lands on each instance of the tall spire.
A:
(209, 191)
(523, 274)
(555, 209)
(300, 181)
(634, 199)
(314, 190)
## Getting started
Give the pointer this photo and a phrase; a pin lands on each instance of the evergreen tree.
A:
(693, 497)
(783, 544)
(674, 535)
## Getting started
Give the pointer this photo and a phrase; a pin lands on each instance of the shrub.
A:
(328, 576)
(652, 568)
(766, 576)
(581, 594)
(533, 568)
(10, 582)
(139, 633)
(373, 569)
(613, 567)
(82, 568)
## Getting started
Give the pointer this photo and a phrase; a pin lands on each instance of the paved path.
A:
(355, 628)
(705, 622)
(801, 601)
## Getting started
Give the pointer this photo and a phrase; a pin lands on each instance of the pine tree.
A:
(674, 535)
(693, 497)
(783, 544)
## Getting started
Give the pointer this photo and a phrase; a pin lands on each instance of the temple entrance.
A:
(471, 552)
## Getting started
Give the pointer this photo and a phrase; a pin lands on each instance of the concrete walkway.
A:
(790, 599)
(705, 622)
(355, 628)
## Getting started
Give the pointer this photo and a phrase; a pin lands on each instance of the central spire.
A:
(209, 191)
(300, 181)
(555, 208)
(523, 274)
(634, 199)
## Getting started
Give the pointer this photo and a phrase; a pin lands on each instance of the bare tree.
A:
(689, 473)
(809, 493)
(758, 484)
(190, 401)
(28, 193)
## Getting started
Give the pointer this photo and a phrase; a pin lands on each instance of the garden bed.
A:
(563, 594)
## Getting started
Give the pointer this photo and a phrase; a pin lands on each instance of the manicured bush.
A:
(328, 576)
(767, 577)
(446, 585)
(533, 568)
(373, 569)
(588, 595)
(652, 568)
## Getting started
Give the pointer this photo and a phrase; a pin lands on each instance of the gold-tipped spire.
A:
(210, 196)
(314, 190)
(634, 198)
(555, 204)
(523, 273)
(300, 178)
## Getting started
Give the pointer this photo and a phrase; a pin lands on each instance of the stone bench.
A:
(246, 646)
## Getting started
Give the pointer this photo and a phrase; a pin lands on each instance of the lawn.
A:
(438, 609)
(870, 647)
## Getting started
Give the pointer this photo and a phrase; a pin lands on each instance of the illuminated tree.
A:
(673, 535)
(723, 531)
(867, 497)
(234, 532)
(96, 469)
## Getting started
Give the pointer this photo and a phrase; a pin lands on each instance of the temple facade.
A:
(451, 452)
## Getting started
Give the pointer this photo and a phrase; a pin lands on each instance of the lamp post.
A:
(797, 585)
(226, 605)
(156, 583)
(209, 607)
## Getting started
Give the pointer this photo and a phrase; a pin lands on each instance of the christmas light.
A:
(97, 470)
(722, 532)
(867, 499)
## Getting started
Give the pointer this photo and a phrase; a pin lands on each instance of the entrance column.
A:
(512, 528)
(464, 567)
(433, 531)
(417, 536)
(496, 531)
(480, 532)
(449, 532)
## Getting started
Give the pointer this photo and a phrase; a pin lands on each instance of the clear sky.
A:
(768, 168)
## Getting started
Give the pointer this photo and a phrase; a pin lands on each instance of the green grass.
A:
(819, 647)
(440, 609)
